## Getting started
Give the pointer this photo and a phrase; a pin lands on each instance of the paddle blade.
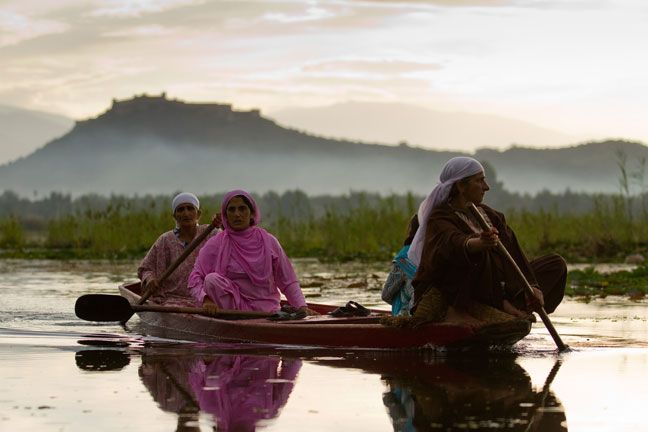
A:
(103, 307)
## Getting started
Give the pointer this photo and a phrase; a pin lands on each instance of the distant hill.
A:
(391, 123)
(23, 131)
(150, 144)
(591, 167)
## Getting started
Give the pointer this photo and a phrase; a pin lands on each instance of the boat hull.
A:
(325, 330)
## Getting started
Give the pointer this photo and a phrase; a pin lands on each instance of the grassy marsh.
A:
(355, 227)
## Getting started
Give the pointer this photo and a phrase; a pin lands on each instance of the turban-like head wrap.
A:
(454, 170)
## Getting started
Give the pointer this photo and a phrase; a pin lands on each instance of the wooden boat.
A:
(324, 330)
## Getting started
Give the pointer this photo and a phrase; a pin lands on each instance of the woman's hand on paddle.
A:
(309, 311)
(209, 306)
(217, 221)
(489, 238)
(535, 301)
(151, 285)
(486, 240)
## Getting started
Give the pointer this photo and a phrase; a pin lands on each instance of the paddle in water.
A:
(106, 307)
(539, 309)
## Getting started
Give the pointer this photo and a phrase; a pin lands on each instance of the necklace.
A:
(455, 208)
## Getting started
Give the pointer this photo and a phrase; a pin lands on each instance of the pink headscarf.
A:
(250, 247)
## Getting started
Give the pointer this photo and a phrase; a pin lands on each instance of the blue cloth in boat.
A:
(398, 290)
(404, 263)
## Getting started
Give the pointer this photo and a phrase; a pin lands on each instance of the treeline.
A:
(35, 213)
(294, 205)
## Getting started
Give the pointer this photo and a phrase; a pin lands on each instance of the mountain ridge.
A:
(22, 131)
(151, 144)
(390, 123)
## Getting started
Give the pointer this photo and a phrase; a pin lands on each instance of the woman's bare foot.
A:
(510, 309)
(456, 316)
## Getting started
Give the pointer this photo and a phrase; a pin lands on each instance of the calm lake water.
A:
(63, 374)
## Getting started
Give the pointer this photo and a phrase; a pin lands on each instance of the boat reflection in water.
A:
(423, 391)
(237, 390)
(466, 393)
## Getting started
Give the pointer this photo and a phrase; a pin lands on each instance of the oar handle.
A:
(197, 310)
(196, 241)
(540, 310)
(107, 307)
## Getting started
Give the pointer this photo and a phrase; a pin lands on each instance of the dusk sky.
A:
(575, 66)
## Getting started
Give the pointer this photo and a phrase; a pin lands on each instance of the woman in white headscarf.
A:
(168, 247)
(459, 261)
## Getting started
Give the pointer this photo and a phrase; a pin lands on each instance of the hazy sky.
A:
(577, 66)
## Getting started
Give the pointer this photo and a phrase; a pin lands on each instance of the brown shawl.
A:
(485, 277)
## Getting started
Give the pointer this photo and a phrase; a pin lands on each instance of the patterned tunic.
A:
(166, 249)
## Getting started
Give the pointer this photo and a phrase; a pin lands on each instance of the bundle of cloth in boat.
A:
(433, 307)
(398, 290)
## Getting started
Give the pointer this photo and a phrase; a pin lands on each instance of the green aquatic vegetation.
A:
(366, 233)
(605, 234)
(590, 283)
(358, 226)
(113, 233)
(12, 234)
(370, 230)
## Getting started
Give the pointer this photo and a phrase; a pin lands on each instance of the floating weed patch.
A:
(590, 283)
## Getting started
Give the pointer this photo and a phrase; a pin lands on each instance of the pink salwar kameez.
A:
(244, 270)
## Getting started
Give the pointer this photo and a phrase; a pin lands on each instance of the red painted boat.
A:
(325, 330)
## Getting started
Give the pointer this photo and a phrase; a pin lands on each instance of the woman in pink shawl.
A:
(244, 267)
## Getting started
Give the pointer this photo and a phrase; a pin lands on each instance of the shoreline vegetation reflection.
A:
(421, 391)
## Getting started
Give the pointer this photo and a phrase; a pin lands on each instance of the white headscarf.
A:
(454, 170)
(184, 198)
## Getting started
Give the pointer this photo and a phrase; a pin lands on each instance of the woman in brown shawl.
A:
(458, 262)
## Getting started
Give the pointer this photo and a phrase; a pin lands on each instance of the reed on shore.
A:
(372, 230)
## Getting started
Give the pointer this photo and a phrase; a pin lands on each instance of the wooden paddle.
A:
(106, 307)
(196, 241)
(540, 310)
(543, 396)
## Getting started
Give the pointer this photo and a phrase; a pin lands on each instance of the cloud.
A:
(310, 14)
(495, 56)
(141, 31)
(16, 27)
(448, 3)
(539, 4)
(130, 8)
(370, 67)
